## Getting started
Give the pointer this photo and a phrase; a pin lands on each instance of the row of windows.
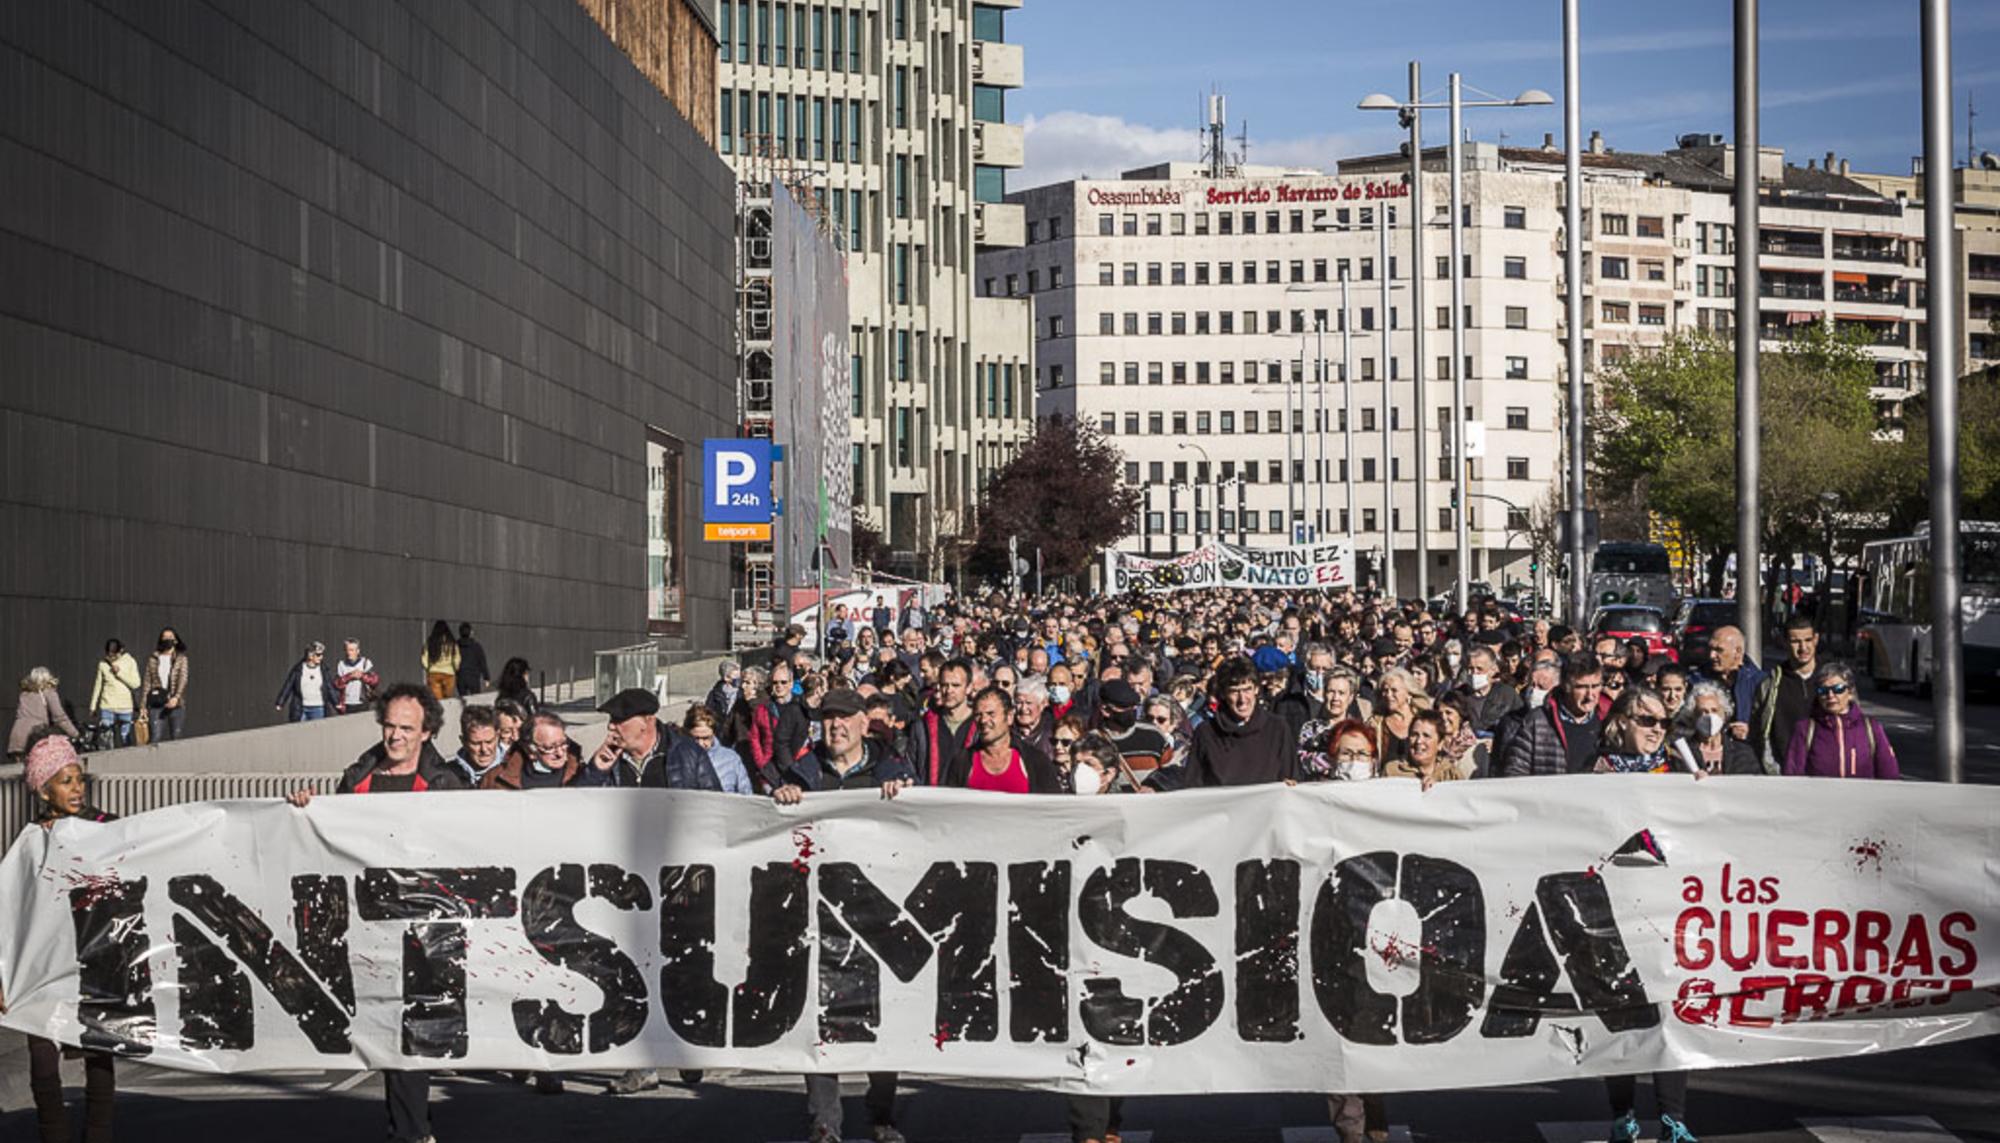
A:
(1274, 521)
(1515, 368)
(1620, 313)
(797, 126)
(1110, 223)
(1224, 421)
(1225, 322)
(1650, 225)
(790, 35)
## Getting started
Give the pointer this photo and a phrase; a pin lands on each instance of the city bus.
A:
(1894, 640)
(1635, 573)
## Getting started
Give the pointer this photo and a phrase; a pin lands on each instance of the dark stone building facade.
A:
(333, 317)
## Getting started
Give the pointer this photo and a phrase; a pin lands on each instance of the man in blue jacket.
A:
(1731, 667)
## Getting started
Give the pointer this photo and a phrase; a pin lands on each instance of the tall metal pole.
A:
(1573, 299)
(1455, 156)
(1417, 330)
(1291, 485)
(1319, 425)
(1347, 400)
(1941, 277)
(1388, 459)
(1749, 425)
(1243, 511)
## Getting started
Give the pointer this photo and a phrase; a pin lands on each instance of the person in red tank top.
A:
(997, 762)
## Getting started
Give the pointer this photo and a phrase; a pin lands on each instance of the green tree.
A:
(1063, 493)
(1665, 435)
(1905, 473)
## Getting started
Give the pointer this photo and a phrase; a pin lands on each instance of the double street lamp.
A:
(1410, 111)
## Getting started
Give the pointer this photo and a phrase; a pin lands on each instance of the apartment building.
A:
(1976, 211)
(893, 114)
(1192, 319)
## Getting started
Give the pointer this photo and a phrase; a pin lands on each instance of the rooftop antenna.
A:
(1215, 154)
(1971, 150)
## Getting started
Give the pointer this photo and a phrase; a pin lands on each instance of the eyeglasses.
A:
(1354, 756)
(558, 748)
(1065, 743)
(1831, 689)
(1648, 721)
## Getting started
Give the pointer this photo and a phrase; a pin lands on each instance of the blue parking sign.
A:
(736, 481)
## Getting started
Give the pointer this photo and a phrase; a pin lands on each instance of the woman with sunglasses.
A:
(1062, 747)
(1838, 740)
(1635, 742)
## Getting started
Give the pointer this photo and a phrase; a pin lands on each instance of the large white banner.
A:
(1342, 936)
(1322, 566)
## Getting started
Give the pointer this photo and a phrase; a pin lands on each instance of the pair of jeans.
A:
(408, 1096)
(443, 686)
(311, 714)
(1670, 1091)
(167, 723)
(1094, 1116)
(121, 720)
(823, 1100)
(45, 1080)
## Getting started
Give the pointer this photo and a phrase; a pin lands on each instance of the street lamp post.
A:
(1573, 299)
(1456, 105)
(1197, 482)
(1347, 395)
(1389, 355)
(1944, 286)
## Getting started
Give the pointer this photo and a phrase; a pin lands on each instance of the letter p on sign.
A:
(736, 490)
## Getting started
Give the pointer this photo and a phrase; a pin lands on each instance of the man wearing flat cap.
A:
(1144, 746)
(640, 750)
(845, 758)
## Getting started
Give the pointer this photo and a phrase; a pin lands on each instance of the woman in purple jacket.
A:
(1837, 740)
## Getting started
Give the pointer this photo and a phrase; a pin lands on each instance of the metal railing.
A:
(1804, 291)
(1867, 253)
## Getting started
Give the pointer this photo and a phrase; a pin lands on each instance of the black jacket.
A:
(1500, 700)
(1259, 750)
(293, 699)
(676, 763)
(928, 732)
(1549, 744)
(812, 771)
(472, 671)
(1043, 777)
(433, 772)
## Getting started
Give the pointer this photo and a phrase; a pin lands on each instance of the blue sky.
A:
(1116, 83)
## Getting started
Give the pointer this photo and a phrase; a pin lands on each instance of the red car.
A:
(1626, 622)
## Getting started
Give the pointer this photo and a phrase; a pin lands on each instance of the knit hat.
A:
(48, 758)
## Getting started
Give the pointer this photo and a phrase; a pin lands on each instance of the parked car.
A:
(1625, 621)
(1696, 621)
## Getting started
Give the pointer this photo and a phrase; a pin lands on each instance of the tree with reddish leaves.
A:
(1064, 493)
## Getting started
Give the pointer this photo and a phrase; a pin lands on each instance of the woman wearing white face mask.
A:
(1097, 768)
(1703, 744)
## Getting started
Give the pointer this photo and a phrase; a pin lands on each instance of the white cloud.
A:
(1071, 144)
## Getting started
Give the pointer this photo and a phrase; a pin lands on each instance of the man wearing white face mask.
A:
(1493, 700)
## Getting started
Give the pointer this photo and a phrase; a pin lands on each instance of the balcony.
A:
(997, 64)
(999, 144)
(1810, 291)
(1983, 346)
(1871, 296)
(999, 224)
(1877, 333)
(1867, 252)
(1792, 247)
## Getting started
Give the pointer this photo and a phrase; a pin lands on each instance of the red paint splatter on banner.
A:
(1590, 872)
(1397, 952)
(89, 889)
(941, 1037)
(803, 842)
(1869, 852)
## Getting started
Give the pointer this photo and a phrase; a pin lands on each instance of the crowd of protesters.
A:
(1090, 697)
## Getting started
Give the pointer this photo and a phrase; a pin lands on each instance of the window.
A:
(1517, 416)
(1107, 324)
(1517, 369)
(1055, 325)
(1249, 222)
(1152, 225)
(1368, 468)
(1227, 224)
(1131, 273)
(1298, 271)
(1108, 424)
(1517, 468)
(1155, 373)
(1202, 423)
(1152, 273)
(1156, 423)
(1517, 317)
(1107, 273)
(1368, 519)
(1614, 224)
(1368, 420)
(1653, 270)
(1107, 225)
(1652, 227)
(1249, 273)
(1228, 422)
(1227, 271)
(1226, 321)
(1177, 223)
(666, 548)
(1107, 373)
(1516, 218)
(1129, 225)
(1178, 324)
(1178, 273)
(1180, 429)
(1368, 269)
(1034, 281)
(1201, 326)
(1319, 269)
(1131, 325)
(1652, 315)
(1201, 223)
(1153, 326)
(1131, 373)
(1517, 267)
(1617, 313)
(1180, 372)
(1277, 520)
(1201, 273)
(1615, 269)
(1131, 424)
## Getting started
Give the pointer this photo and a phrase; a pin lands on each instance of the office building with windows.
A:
(892, 115)
(1185, 317)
